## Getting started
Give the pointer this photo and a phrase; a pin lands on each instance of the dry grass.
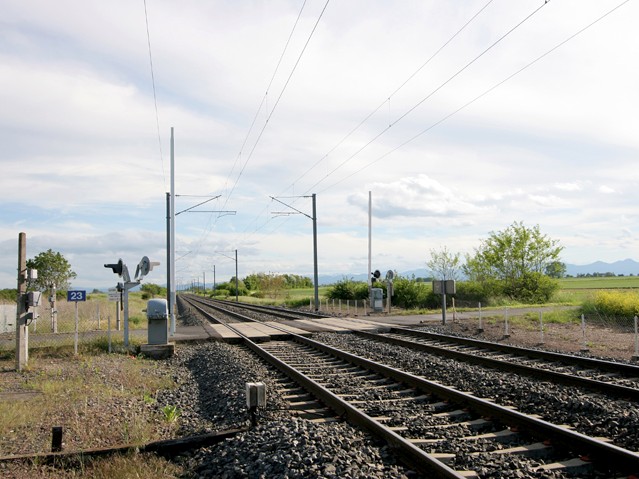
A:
(99, 400)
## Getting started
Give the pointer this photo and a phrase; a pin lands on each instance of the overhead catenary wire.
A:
(367, 117)
(265, 96)
(429, 95)
(155, 99)
(279, 97)
(392, 94)
(270, 114)
(481, 95)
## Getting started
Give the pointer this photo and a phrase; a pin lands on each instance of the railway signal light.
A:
(117, 267)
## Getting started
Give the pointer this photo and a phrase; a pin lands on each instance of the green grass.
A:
(616, 282)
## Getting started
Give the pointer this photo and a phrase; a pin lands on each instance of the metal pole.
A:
(481, 327)
(636, 356)
(172, 304)
(506, 328)
(22, 331)
(237, 288)
(214, 284)
(126, 316)
(169, 265)
(204, 282)
(370, 247)
(541, 326)
(584, 346)
(75, 337)
(315, 276)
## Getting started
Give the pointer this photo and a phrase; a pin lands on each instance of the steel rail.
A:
(234, 314)
(596, 449)
(410, 453)
(274, 310)
(616, 390)
(626, 369)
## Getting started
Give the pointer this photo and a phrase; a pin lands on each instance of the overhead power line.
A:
(155, 99)
(481, 95)
(363, 121)
(268, 89)
(397, 90)
(420, 102)
(259, 137)
(228, 197)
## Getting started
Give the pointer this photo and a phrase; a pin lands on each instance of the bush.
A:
(412, 294)
(614, 304)
(348, 289)
(534, 288)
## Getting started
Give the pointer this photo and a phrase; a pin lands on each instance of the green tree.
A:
(556, 269)
(516, 258)
(443, 264)
(53, 270)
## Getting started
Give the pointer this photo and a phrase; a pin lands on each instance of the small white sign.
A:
(114, 294)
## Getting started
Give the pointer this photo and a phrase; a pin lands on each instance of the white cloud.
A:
(81, 162)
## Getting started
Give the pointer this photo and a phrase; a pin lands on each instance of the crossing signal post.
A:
(144, 267)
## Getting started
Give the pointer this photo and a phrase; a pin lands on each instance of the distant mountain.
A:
(625, 267)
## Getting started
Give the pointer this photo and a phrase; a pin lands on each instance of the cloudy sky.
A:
(459, 117)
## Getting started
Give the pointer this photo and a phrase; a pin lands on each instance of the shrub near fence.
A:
(614, 304)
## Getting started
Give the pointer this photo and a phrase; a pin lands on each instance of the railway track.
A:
(614, 379)
(439, 430)
(249, 312)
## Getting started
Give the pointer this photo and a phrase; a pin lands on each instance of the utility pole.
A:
(22, 330)
(314, 219)
(237, 290)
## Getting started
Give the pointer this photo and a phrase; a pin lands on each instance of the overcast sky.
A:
(528, 113)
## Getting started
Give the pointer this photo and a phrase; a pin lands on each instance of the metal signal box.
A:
(377, 300)
(157, 312)
(255, 395)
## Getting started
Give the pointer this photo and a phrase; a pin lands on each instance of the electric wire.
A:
(372, 113)
(391, 95)
(465, 105)
(414, 107)
(433, 92)
(259, 137)
(264, 98)
(155, 99)
(478, 97)
(228, 197)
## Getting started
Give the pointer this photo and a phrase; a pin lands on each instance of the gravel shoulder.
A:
(101, 401)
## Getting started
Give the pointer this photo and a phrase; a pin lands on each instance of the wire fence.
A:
(562, 328)
(71, 323)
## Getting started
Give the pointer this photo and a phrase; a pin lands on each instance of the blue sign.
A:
(76, 296)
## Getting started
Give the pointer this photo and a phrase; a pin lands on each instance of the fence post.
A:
(481, 327)
(506, 328)
(97, 307)
(541, 327)
(636, 356)
(584, 347)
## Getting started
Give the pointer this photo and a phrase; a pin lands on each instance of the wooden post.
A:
(56, 439)
(22, 331)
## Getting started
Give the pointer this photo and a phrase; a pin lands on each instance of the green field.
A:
(614, 282)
